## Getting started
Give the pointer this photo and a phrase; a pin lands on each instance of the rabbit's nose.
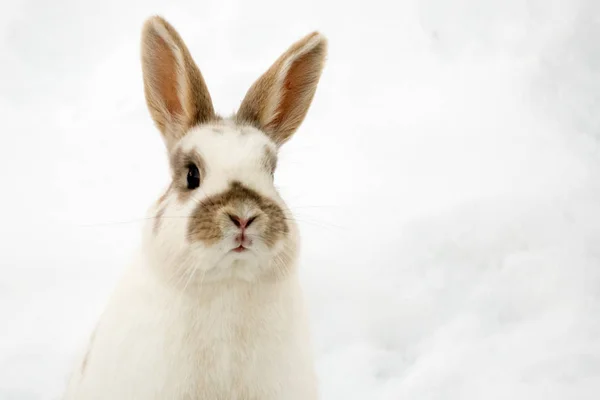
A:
(242, 223)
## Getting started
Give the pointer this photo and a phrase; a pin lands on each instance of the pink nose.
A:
(241, 223)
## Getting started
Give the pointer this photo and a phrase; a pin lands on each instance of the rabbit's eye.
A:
(193, 177)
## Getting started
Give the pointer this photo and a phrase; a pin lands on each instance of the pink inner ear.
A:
(296, 89)
(165, 75)
(279, 100)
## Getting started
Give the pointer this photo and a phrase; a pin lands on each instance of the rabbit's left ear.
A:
(279, 100)
(176, 93)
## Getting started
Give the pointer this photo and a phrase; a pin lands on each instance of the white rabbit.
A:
(211, 308)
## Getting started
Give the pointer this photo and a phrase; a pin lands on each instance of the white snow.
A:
(447, 181)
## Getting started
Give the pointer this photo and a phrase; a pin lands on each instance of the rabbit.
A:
(211, 305)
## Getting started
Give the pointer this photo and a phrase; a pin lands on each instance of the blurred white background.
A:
(446, 181)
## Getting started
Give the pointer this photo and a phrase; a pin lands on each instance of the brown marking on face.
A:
(269, 160)
(180, 161)
(210, 214)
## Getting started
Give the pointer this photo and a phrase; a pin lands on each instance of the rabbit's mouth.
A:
(240, 249)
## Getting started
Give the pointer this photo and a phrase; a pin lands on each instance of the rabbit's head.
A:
(221, 214)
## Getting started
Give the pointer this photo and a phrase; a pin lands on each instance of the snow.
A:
(446, 182)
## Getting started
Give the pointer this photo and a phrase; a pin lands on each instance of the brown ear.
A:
(176, 93)
(279, 100)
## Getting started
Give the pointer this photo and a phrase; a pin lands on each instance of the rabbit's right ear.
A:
(279, 100)
(175, 91)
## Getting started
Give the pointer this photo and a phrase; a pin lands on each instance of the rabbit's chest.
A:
(155, 350)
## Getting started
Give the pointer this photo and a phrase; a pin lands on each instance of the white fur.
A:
(190, 321)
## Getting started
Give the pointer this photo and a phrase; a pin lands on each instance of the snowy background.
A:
(447, 181)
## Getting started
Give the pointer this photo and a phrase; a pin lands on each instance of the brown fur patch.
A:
(278, 108)
(246, 131)
(180, 160)
(270, 160)
(210, 215)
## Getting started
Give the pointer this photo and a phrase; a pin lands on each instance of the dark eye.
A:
(193, 177)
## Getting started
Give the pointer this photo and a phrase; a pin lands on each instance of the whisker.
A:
(314, 206)
(141, 219)
(210, 200)
(319, 224)
(178, 274)
(191, 276)
(187, 272)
